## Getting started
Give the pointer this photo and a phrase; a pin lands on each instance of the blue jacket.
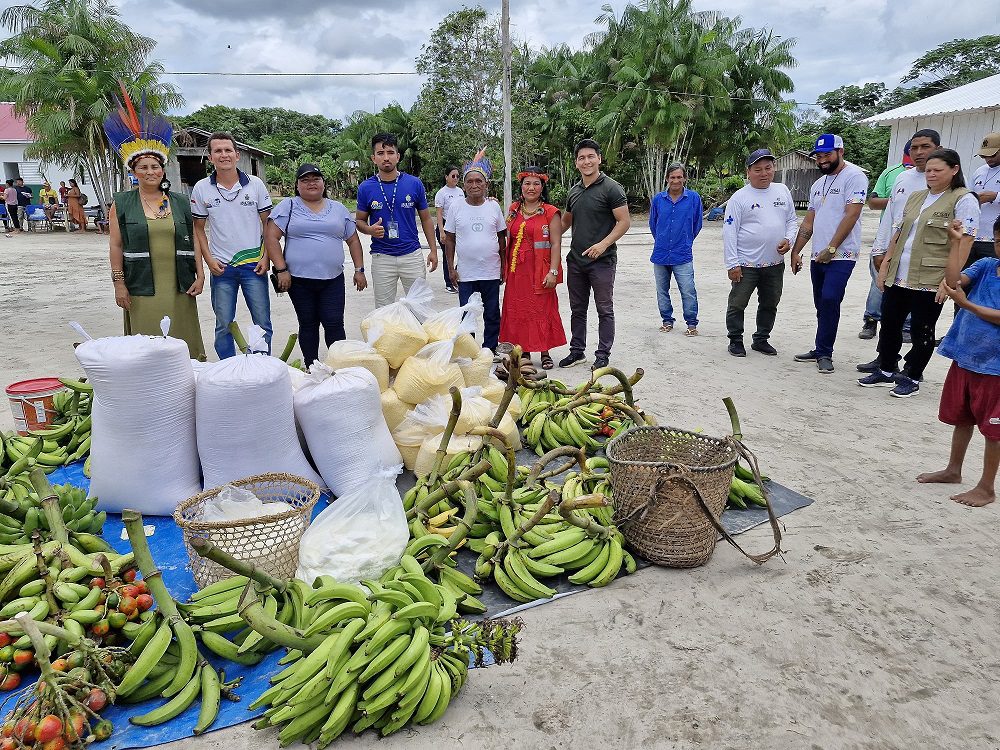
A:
(674, 227)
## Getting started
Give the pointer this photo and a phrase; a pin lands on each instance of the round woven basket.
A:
(270, 542)
(666, 481)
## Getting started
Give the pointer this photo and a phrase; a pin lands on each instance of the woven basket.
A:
(270, 542)
(670, 488)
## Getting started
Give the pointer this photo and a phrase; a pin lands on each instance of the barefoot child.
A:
(971, 393)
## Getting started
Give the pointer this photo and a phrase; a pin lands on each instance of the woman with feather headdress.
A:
(155, 265)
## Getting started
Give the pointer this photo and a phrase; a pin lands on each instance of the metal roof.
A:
(978, 95)
(12, 127)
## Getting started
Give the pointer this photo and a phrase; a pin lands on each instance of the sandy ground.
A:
(877, 631)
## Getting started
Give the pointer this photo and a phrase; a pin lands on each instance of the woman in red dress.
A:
(531, 270)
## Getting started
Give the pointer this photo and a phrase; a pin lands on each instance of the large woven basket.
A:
(270, 542)
(670, 488)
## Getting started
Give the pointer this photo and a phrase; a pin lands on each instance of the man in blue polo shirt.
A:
(394, 199)
(675, 220)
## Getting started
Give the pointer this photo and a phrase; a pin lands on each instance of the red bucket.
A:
(31, 402)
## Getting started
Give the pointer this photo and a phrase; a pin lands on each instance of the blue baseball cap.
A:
(826, 143)
(756, 156)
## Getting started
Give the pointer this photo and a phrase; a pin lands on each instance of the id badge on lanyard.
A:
(393, 230)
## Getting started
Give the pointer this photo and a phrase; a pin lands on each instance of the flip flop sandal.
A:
(547, 362)
(691, 332)
(666, 328)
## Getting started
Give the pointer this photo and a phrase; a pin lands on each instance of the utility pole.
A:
(508, 145)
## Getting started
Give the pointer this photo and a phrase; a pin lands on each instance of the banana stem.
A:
(581, 502)
(251, 610)
(589, 525)
(448, 488)
(547, 504)
(632, 381)
(42, 652)
(577, 454)
(449, 429)
(623, 382)
(43, 573)
(239, 567)
(49, 501)
(508, 450)
(462, 526)
(734, 418)
(144, 560)
(289, 347)
(237, 334)
(510, 390)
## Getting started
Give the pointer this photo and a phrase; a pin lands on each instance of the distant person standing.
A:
(986, 184)
(442, 199)
(833, 222)
(63, 192)
(675, 217)
(758, 231)
(394, 200)
(74, 207)
(878, 201)
(10, 203)
(24, 199)
(235, 206)
(597, 213)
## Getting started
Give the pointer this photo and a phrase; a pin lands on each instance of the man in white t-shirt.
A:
(986, 185)
(475, 235)
(758, 230)
(442, 199)
(833, 222)
(235, 206)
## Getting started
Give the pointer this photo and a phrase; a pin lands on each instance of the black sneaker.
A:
(573, 358)
(869, 329)
(764, 348)
(905, 387)
(877, 379)
(824, 365)
(809, 356)
(872, 366)
(599, 362)
(737, 349)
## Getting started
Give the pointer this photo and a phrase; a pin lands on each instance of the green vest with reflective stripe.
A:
(135, 243)
(931, 242)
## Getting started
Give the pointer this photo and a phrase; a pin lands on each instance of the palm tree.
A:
(65, 60)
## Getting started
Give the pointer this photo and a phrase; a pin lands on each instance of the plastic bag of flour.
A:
(394, 330)
(458, 323)
(479, 370)
(359, 354)
(361, 535)
(428, 373)
(143, 452)
(394, 409)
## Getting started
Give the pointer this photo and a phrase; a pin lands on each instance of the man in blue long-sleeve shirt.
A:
(675, 220)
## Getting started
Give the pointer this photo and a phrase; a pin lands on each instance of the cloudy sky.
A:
(847, 41)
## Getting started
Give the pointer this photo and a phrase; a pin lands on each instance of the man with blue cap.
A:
(833, 222)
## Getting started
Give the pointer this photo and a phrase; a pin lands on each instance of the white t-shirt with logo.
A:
(234, 229)
(444, 197)
(906, 183)
(987, 180)
(756, 222)
(829, 198)
(477, 250)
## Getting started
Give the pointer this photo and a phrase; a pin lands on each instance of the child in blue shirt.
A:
(971, 393)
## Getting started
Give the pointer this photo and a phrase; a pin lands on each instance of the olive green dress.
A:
(182, 309)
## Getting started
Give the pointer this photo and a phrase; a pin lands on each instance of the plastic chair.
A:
(35, 215)
(4, 217)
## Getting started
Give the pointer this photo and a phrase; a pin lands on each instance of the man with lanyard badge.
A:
(986, 184)
(235, 206)
(834, 215)
(395, 199)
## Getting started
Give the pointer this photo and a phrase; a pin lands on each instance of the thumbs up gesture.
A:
(377, 230)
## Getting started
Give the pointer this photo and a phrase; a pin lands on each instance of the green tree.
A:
(67, 58)
(854, 102)
(948, 66)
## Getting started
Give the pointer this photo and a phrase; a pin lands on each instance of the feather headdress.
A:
(479, 164)
(134, 134)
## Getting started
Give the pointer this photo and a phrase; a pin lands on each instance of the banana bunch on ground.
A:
(21, 512)
(380, 658)
(168, 662)
(744, 489)
(593, 480)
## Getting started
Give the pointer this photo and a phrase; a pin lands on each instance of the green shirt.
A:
(885, 181)
(593, 218)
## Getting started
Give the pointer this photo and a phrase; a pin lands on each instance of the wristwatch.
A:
(281, 270)
(832, 250)
(359, 269)
(553, 273)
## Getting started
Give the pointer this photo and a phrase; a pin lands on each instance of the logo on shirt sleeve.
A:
(729, 219)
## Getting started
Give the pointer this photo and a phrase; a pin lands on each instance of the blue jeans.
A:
(490, 289)
(684, 275)
(255, 294)
(829, 282)
(443, 258)
(873, 307)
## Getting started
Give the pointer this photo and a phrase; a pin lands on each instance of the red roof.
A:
(12, 128)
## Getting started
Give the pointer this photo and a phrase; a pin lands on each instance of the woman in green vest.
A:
(922, 256)
(155, 265)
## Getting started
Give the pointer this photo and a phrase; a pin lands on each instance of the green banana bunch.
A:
(744, 489)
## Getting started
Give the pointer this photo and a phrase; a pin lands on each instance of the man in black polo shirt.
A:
(597, 212)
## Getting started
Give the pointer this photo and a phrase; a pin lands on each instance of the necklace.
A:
(533, 213)
(222, 195)
(826, 190)
(161, 210)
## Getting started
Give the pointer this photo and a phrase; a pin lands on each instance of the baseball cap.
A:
(826, 143)
(990, 145)
(307, 169)
(756, 156)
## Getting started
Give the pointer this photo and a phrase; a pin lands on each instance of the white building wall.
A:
(963, 132)
(32, 171)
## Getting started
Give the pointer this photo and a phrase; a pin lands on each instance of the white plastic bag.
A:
(361, 535)
(494, 391)
(479, 370)
(235, 503)
(431, 417)
(458, 324)
(143, 452)
(394, 409)
(394, 330)
(428, 373)
(340, 414)
(359, 354)
(245, 421)
(428, 451)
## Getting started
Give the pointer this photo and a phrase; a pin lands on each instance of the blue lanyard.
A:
(385, 198)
